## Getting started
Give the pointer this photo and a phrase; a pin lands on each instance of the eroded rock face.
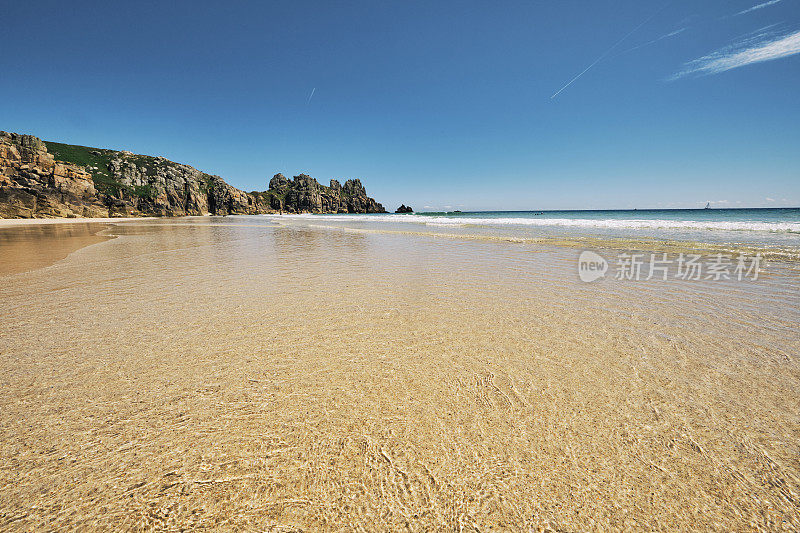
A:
(156, 186)
(224, 199)
(357, 199)
(279, 183)
(304, 194)
(34, 183)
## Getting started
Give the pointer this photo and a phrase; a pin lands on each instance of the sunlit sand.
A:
(258, 376)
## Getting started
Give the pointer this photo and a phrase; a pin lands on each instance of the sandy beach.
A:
(246, 374)
(283, 267)
(16, 222)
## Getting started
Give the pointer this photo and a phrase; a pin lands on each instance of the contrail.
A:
(668, 35)
(759, 6)
(311, 95)
(596, 61)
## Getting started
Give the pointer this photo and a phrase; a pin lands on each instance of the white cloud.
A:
(758, 6)
(769, 199)
(762, 47)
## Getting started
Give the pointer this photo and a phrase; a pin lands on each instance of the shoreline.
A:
(566, 238)
(15, 222)
(27, 247)
(195, 367)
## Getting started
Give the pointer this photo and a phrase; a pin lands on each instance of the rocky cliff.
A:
(40, 179)
(304, 194)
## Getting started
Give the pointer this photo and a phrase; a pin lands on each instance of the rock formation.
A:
(48, 179)
(33, 184)
(304, 194)
(404, 209)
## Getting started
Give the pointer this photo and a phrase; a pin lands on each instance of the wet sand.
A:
(31, 243)
(31, 246)
(242, 374)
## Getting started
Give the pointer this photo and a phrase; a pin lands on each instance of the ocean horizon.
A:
(774, 232)
(744, 218)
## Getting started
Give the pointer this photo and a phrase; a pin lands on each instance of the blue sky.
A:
(439, 104)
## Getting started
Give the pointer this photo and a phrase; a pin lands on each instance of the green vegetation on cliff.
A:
(95, 160)
(46, 178)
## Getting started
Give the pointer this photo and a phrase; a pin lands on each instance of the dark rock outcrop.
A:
(47, 179)
(303, 194)
(404, 209)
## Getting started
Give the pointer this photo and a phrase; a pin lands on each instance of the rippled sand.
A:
(248, 375)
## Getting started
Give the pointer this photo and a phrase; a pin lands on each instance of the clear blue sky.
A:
(429, 103)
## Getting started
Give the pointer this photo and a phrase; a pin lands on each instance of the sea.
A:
(437, 371)
(772, 231)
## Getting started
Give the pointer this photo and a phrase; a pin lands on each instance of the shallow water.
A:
(28, 247)
(251, 373)
(772, 232)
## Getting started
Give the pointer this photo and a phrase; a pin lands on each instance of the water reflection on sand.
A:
(27, 247)
(244, 374)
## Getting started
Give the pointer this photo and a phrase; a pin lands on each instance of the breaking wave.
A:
(542, 221)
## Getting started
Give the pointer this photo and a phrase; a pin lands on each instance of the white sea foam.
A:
(634, 224)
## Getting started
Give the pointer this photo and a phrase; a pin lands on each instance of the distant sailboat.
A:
(708, 205)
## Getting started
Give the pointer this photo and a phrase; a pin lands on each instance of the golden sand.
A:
(251, 376)
(26, 247)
